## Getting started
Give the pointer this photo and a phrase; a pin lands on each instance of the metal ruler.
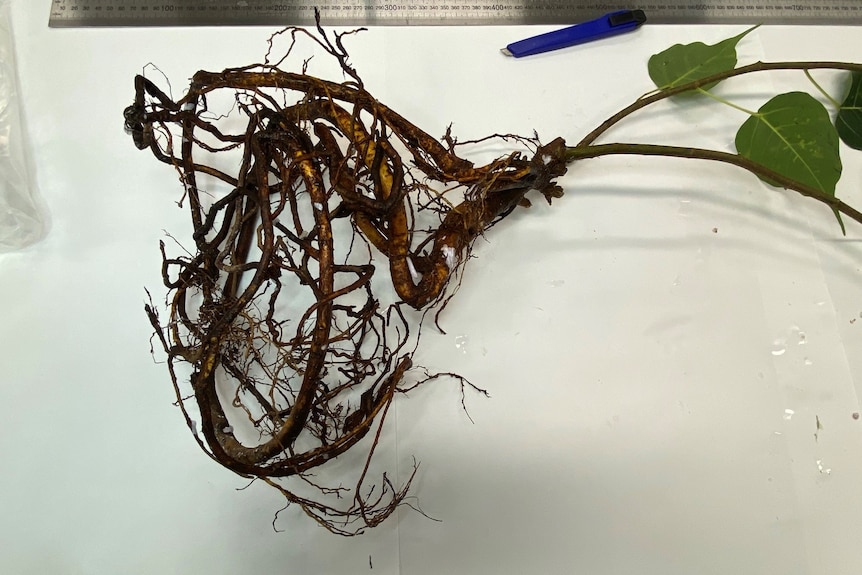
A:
(81, 13)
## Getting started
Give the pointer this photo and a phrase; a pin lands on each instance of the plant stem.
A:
(582, 152)
(653, 97)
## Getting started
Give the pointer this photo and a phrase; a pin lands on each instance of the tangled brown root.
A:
(276, 314)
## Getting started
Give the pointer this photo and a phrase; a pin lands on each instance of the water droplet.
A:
(802, 338)
(807, 361)
(788, 413)
(461, 343)
(779, 346)
(228, 429)
(821, 469)
(557, 283)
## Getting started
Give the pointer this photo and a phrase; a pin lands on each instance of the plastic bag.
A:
(21, 219)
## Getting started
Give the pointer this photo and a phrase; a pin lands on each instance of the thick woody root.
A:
(274, 312)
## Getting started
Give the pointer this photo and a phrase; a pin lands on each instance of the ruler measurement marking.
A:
(80, 13)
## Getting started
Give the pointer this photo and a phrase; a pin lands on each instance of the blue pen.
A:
(607, 25)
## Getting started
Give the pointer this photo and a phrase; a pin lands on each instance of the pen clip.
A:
(623, 17)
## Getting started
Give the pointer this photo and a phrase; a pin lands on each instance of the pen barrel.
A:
(608, 25)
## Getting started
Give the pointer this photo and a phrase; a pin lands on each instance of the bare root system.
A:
(282, 351)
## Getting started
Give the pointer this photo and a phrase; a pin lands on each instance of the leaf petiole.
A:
(721, 100)
(835, 103)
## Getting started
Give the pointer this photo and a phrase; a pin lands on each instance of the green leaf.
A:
(792, 134)
(684, 63)
(849, 119)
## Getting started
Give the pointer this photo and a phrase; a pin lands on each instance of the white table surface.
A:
(658, 344)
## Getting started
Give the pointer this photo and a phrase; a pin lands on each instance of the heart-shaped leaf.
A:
(792, 134)
(849, 119)
(684, 63)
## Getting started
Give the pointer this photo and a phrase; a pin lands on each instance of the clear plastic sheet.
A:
(21, 219)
